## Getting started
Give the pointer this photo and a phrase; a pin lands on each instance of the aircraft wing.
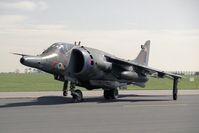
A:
(142, 68)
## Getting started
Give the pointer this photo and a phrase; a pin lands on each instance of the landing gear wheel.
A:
(114, 93)
(65, 93)
(107, 94)
(174, 96)
(77, 96)
(65, 88)
(111, 94)
(175, 89)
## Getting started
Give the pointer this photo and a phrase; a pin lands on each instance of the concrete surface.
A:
(129, 114)
(94, 93)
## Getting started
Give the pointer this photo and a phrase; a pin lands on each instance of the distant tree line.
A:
(185, 72)
(28, 70)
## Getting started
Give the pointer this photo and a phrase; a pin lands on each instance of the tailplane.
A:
(143, 57)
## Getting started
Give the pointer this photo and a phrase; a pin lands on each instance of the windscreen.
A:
(62, 47)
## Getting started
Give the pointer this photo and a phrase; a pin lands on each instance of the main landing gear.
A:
(76, 94)
(111, 93)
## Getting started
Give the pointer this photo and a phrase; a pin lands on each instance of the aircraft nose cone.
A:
(22, 60)
(31, 61)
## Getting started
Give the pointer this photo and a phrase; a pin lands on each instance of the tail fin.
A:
(143, 56)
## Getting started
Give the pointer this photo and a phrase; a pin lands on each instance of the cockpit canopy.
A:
(61, 47)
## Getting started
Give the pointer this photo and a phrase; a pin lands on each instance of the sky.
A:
(115, 26)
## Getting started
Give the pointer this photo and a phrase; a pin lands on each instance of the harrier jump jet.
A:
(94, 69)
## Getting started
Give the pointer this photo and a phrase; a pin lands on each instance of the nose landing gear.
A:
(77, 96)
(76, 93)
(65, 88)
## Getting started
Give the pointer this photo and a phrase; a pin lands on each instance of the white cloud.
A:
(10, 23)
(46, 27)
(11, 19)
(42, 5)
(170, 49)
(23, 5)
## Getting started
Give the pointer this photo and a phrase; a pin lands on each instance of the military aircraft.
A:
(94, 69)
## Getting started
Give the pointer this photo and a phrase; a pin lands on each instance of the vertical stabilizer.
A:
(143, 56)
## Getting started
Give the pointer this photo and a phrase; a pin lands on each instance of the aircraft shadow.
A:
(137, 98)
(58, 100)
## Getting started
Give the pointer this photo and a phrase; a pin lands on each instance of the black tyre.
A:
(77, 96)
(175, 96)
(107, 94)
(111, 94)
(114, 93)
(65, 93)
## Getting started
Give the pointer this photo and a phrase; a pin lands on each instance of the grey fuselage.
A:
(86, 67)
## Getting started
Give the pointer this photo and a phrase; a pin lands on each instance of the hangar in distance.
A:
(95, 69)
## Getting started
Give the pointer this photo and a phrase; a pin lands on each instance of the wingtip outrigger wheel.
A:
(175, 88)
